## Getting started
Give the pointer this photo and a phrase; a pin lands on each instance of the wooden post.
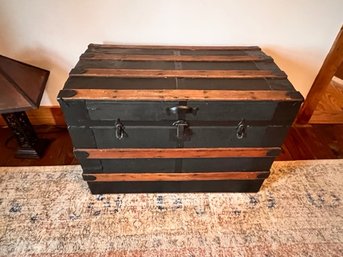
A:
(332, 63)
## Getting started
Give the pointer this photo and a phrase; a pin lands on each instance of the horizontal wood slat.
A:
(109, 46)
(179, 95)
(178, 58)
(128, 153)
(106, 177)
(142, 73)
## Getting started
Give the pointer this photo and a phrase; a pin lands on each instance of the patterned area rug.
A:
(48, 211)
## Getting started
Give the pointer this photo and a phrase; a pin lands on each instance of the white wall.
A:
(52, 34)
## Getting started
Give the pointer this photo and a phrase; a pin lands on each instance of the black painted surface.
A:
(145, 136)
(176, 165)
(207, 111)
(82, 113)
(74, 112)
(119, 83)
(176, 186)
(90, 165)
(82, 137)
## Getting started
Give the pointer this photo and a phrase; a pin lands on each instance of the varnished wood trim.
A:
(179, 95)
(150, 73)
(177, 58)
(332, 62)
(170, 47)
(139, 153)
(232, 175)
(339, 72)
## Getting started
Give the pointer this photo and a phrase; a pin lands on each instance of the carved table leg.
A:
(29, 145)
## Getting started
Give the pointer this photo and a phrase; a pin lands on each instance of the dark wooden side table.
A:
(21, 88)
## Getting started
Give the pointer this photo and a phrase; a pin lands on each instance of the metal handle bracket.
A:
(182, 109)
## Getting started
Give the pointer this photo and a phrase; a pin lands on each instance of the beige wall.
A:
(52, 34)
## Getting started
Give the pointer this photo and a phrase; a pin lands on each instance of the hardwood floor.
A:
(59, 151)
(330, 108)
(313, 142)
(303, 142)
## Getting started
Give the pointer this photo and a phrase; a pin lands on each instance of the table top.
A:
(21, 85)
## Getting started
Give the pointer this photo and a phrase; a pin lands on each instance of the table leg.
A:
(29, 145)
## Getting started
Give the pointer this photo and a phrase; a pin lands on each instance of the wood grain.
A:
(178, 58)
(105, 177)
(339, 72)
(296, 146)
(332, 62)
(332, 137)
(171, 47)
(179, 95)
(128, 153)
(325, 117)
(150, 73)
(314, 143)
(329, 110)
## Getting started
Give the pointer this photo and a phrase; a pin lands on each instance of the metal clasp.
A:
(120, 130)
(181, 125)
(241, 130)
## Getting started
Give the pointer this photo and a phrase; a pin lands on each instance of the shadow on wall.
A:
(37, 56)
(300, 65)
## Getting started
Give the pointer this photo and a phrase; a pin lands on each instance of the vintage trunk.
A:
(177, 118)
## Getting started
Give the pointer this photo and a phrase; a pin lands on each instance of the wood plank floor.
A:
(59, 151)
(313, 142)
(330, 108)
(302, 143)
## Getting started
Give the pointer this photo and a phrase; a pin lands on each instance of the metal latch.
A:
(120, 130)
(241, 129)
(181, 126)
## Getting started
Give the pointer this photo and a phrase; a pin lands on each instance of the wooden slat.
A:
(177, 58)
(179, 95)
(150, 73)
(109, 46)
(107, 177)
(332, 62)
(128, 153)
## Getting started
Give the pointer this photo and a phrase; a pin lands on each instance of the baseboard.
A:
(45, 115)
